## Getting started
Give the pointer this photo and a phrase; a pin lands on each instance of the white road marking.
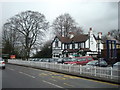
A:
(35, 69)
(68, 85)
(52, 84)
(11, 69)
(27, 74)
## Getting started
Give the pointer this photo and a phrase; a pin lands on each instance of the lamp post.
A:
(99, 52)
(98, 47)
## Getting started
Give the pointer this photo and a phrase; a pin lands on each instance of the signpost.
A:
(111, 49)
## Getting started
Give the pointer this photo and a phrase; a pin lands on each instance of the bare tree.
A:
(116, 34)
(64, 24)
(9, 36)
(29, 27)
(77, 30)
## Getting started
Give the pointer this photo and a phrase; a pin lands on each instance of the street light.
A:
(99, 50)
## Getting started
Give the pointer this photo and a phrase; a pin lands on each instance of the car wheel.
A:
(3, 67)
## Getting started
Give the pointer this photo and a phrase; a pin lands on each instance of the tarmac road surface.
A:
(25, 77)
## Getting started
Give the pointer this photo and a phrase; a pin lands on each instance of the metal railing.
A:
(102, 72)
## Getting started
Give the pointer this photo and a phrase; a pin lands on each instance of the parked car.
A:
(94, 66)
(48, 60)
(2, 63)
(53, 60)
(98, 63)
(80, 60)
(116, 66)
(72, 61)
(63, 60)
(34, 59)
(102, 59)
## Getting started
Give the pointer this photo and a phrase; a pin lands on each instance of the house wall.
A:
(87, 44)
(70, 46)
(76, 45)
(93, 44)
(63, 46)
(57, 51)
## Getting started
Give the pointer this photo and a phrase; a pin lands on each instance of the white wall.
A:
(62, 46)
(93, 44)
(70, 46)
(87, 44)
(76, 46)
(59, 44)
(53, 45)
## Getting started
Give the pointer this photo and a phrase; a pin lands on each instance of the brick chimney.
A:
(109, 34)
(90, 32)
(90, 28)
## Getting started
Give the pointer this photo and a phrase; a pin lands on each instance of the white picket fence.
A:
(102, 72)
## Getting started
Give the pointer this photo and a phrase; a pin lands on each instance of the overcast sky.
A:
(101, 16)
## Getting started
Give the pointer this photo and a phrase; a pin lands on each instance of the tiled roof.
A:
(77, 38)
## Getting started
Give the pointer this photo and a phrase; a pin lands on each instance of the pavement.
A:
(25, 77)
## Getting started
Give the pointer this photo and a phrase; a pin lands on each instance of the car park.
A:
(80, 60)
(2, 63)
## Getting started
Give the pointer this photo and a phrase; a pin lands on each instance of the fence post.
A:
(100, 72)
(111, 72)
(95, 70)
(53, 66)
(69, 68)
(80, 69)
(60, 67)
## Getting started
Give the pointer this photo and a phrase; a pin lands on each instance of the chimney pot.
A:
(90, 29)
(108, 33)
(100, 33)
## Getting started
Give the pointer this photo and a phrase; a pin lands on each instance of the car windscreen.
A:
(89, 58)
(82, 59)
(65, 59)
(74, 59)
(103, 63)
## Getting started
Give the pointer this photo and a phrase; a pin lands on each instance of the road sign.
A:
(12, 56)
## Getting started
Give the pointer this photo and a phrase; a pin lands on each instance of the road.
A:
(25, 77)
